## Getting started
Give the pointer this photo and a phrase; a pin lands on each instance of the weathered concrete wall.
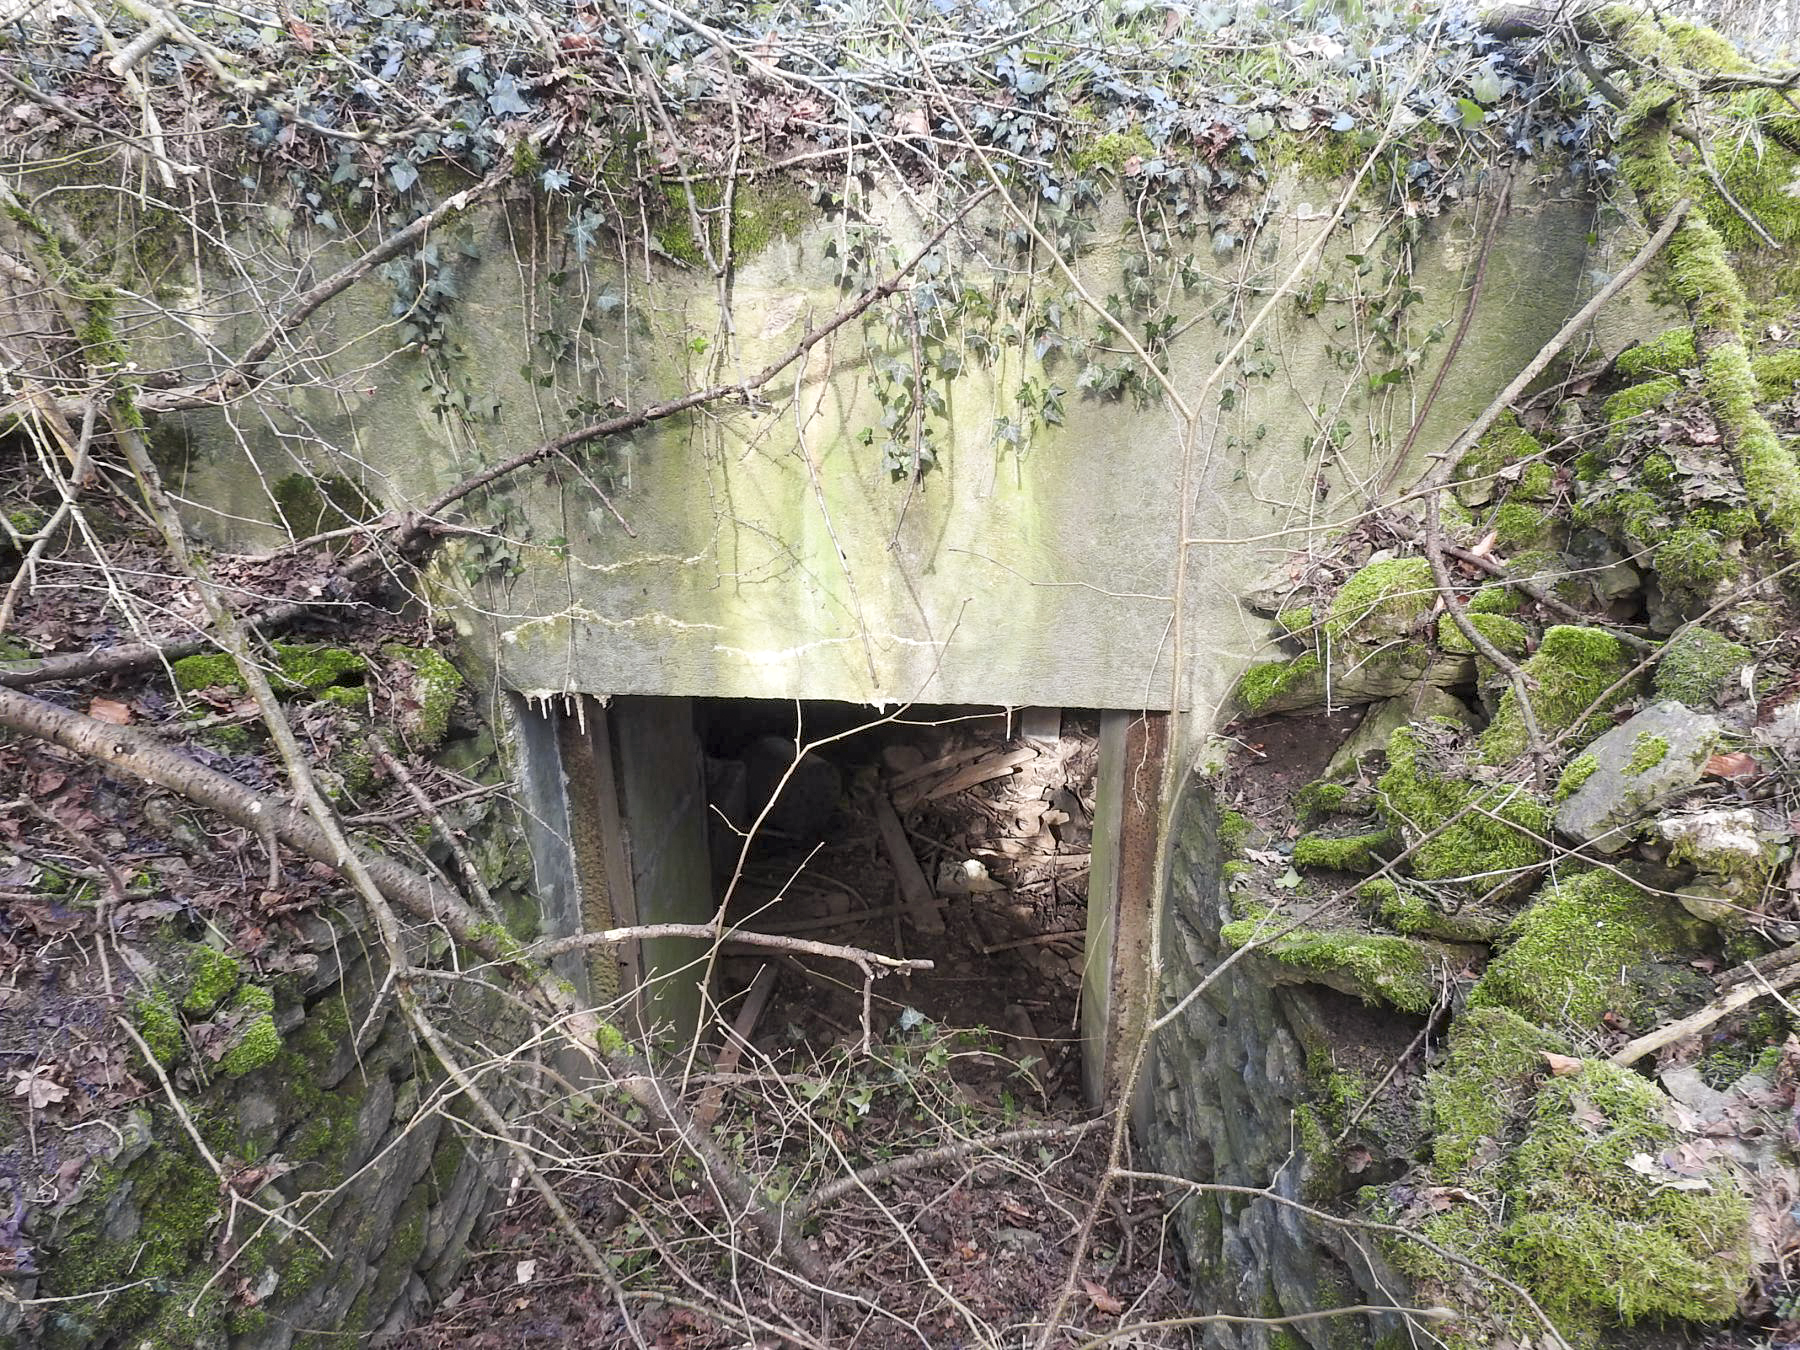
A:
(1039, 578)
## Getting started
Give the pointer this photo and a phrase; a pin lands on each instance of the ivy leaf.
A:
(1289, 880)
(1472, 115)
(1486, 86)
(404, 174)
(554, 180)
(505, 99)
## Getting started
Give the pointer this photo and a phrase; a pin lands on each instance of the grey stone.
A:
(1383, 719)
(1358, 674)
(1606, 810)
(809, 797)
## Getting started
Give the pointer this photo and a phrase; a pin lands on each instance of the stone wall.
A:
(389, 1189)
(307, 1086)
(1251, 1086)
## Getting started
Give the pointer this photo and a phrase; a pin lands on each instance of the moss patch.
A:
(1516, 524)
(1771, 477)
(1666, 354)
(175, 1198)
(1567, 951)
(211, 976)
(160, 1026)
(1505, 444)
(1494, 1059)
(1268, 681)
(1699, 665)
(1342, 853)
(257, 1042)
(1630, 405)
(1691, 562)
(1384, 599)
(1572, 668)
(1647, 752)
(1777, 374)
(760, 214)
(1486, 832)
(1296, 620)
(1376, 966)
(1590, 1231)
(1578, 771)
(1317, 800)
(1112, 150)
(300, 668)
(435, 686)
(1509, 635)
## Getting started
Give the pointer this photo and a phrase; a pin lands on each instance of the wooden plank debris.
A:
(999, 765)
(915, 890)
(749, 1014)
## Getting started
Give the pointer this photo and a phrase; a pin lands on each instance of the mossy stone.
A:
(1273, 682)
(211, 976)
(1505, 444)
(1342, 853)
(432, 697)
(1509, 635)
(1495, 1057)
(1592, 1229)
(1572, 669)
(1634, 768)
(1565, 953)
(1376, 967)
(300, 668)
(1468, 832)
(1699, 666)
(1668, 353)
(258, 1041)
(1383, 600)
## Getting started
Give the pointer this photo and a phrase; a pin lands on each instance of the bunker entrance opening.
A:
(1013, 849)
(959, 835)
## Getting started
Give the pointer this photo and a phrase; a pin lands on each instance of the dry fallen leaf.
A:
(39, 1088)
(1102, 1300)
(106, 710)
(1732, 764)
(525, 1272)
(1562, 1066)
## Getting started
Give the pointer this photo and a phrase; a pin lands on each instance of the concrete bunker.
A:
(1011, 847)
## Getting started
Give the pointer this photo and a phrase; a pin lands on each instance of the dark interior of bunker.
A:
(962, 836)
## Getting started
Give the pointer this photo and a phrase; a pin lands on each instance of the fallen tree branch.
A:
(1716, 1011)
(705, 932)
(931, 1157)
